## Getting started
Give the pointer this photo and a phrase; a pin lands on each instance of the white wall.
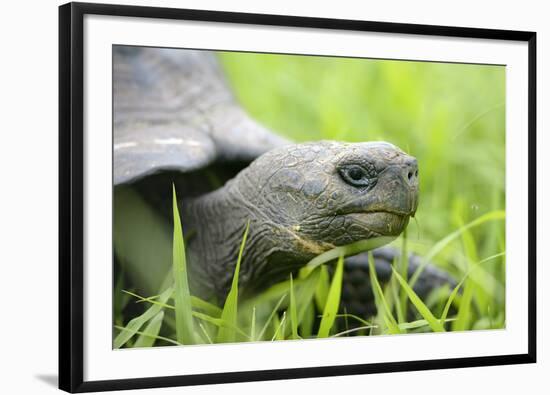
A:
(28, 193)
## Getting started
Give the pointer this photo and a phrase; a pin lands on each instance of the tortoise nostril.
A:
(410, 171)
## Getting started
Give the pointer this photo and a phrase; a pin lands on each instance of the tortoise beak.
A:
(407, 172)
(398, 186)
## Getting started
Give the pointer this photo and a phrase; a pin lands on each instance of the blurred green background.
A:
(451, 117)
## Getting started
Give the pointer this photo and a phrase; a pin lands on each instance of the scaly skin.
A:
(301, 200)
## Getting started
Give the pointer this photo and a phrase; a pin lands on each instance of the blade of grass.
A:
(346, 318)
(451, 299)
(464, 315)
(205, 333)
(293, 312)
(480, 292)
(221, 323)
(185, 331)
(357, 318)
(379, 299)
(420, 306)
(418, 324)
(166, 339)
(196, 302)
(253, 325)
(151, 331)
(333, 301)
(304, 290)
(205, 306)
(395, 292)
(150, 300)
(347, 332)
(404, 270)
(136, 323)
(230, 308)
(323, 285)
(280, 328)
(272, 316)
(440, 245)
(347, 250)
(304, 294)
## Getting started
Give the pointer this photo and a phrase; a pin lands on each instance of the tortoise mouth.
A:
(383, 223)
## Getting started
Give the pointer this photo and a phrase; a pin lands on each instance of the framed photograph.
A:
(250, 197)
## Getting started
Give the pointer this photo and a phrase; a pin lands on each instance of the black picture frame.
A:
(71, 198)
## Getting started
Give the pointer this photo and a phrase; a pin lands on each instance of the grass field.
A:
(451, 117)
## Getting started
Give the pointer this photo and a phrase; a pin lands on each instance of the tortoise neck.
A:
(216, 222)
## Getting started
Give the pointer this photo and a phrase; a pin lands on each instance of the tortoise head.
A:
(326, 194)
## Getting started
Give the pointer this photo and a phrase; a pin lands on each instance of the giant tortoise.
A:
(176, 121)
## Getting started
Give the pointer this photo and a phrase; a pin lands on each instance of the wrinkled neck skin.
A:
(216, 223)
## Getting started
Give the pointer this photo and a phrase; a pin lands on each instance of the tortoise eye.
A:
(358, 176)
(356, 173)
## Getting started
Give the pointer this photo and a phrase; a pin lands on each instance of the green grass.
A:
(450, 116)
(237, 321)
(185, 331)
(230, 307)
(332, 303)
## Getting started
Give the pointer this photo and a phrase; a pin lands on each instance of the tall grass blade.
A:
(464, 315)
(205, 334)
(151, 331)
(136, 323)
(450, 300)
(404, 270)
(321, 291)
(305, 293)
(279, 328)
(418, 324)
(441, 244)
(333, 301)
(166, 339)
(293, 312)
(352, 330)
(253, 325)
(356, 318)
(205, 306)
(230, 308)
(434, 323)
(185, 331)
(381, 304)
(196, 303)
(347, 250)
(396, 295)
(273, 316)
(481, 292)
(221, 323)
